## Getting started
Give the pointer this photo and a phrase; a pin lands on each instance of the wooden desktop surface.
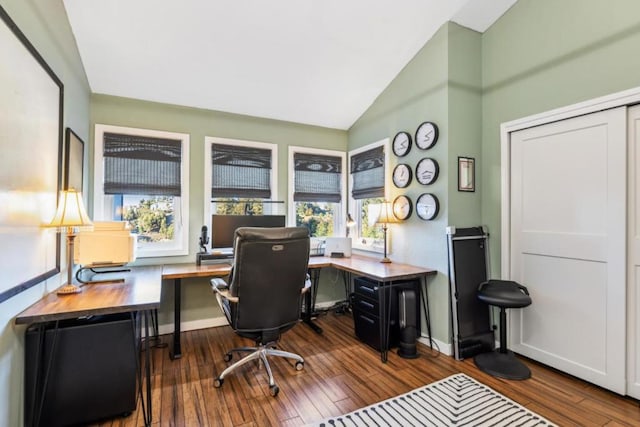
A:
(366, 266)
(140, 290)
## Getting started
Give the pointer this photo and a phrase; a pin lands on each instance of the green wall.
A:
(198, 302)
(441, 84)
(45, 25)
(545, 54)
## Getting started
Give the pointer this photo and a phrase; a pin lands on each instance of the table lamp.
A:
(385, 217)
(70, 217)
(350, 223)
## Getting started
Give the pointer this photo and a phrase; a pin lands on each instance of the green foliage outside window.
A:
(366, 230)
(151, 218)
(238, 207)
(317, 217)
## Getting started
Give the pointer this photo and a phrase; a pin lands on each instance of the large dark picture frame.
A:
(31, 108)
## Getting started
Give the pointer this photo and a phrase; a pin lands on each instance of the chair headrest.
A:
(275, 233)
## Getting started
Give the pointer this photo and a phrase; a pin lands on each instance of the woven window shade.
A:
(243, 172)
(317, 178)
(141, 165)
(367, 169)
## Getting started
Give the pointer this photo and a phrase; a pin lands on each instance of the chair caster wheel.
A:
(274, 390)
(227, 357)
(299, 366)
(217, 383)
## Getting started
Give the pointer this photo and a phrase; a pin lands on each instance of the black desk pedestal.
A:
(92, 372)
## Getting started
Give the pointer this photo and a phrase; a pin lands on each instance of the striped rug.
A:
(458, 400)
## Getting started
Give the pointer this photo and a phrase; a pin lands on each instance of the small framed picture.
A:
(73, 161)
(466, 174)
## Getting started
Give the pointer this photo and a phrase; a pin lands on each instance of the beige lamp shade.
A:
(71, 211)
(386, 215)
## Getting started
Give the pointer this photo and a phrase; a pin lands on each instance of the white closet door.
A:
(568, 245)
(633, 269)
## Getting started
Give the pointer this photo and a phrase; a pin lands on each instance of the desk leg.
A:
(144, 403)
(149, 413)
(42, 373)
(425, 308)
(176, 352)
(309, 300)
(385, 324)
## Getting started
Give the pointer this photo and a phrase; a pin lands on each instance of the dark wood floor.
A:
(341, 374)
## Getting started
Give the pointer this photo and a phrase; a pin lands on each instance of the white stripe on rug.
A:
(458, 400)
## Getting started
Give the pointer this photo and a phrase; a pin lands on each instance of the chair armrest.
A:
(307, 285)
(221, 287)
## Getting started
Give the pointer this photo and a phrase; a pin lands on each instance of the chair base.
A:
(502, 365)
(259, 353)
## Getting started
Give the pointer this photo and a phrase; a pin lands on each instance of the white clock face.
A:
(402, 175)
(427, 171)
(426, 135)
(427, 206)
(402, 207)
(401, 144)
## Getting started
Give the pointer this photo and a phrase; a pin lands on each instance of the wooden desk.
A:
(384, 273)
(138, 292)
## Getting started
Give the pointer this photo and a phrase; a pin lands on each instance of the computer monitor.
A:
(223, 227)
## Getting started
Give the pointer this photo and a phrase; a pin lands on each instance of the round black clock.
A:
(402, 207)
(401, 144)
(427, 206)
(426, 135)
(402, 175)
(427, 171)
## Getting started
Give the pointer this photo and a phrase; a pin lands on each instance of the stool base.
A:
(503, 365)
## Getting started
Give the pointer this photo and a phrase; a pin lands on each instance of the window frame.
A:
(181, 209)
(353, 204)
(208, 142)
(339, 224)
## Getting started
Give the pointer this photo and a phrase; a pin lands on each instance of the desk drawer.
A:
(367, 305)
(366, 288)
(367, 328)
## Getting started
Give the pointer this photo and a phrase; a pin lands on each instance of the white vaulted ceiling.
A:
(318, 62)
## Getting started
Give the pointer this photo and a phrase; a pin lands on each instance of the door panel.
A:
(567, 217)
(633, 239)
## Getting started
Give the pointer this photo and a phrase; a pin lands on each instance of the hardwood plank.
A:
(341, 375)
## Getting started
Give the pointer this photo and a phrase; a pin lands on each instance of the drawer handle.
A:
(364, 288)
(365, 303)
(367, 319)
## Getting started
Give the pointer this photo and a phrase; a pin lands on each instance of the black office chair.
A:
(263, 298)
(502, 362)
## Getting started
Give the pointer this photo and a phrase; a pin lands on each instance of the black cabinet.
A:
(92, 373)
(368, 314)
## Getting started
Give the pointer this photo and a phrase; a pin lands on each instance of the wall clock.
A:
(427, 171)
(402, 207)
(401, 144)
(427, 206)
(426, 135)
(402, 175)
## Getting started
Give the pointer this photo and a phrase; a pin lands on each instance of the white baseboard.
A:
(193, 325)
(438, 345)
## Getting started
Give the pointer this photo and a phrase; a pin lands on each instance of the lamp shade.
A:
(386, 215)
(71, 211)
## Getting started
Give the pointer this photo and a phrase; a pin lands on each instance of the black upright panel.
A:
(468, 267)
(92, 371)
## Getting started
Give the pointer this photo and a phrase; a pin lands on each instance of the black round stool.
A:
(502, 362)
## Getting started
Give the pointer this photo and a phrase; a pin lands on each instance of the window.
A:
(368, 167)
(141, 176)
(316, 188)
(239, 177)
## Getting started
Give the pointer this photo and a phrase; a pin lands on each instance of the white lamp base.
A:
(69, 289)
(385, 260)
